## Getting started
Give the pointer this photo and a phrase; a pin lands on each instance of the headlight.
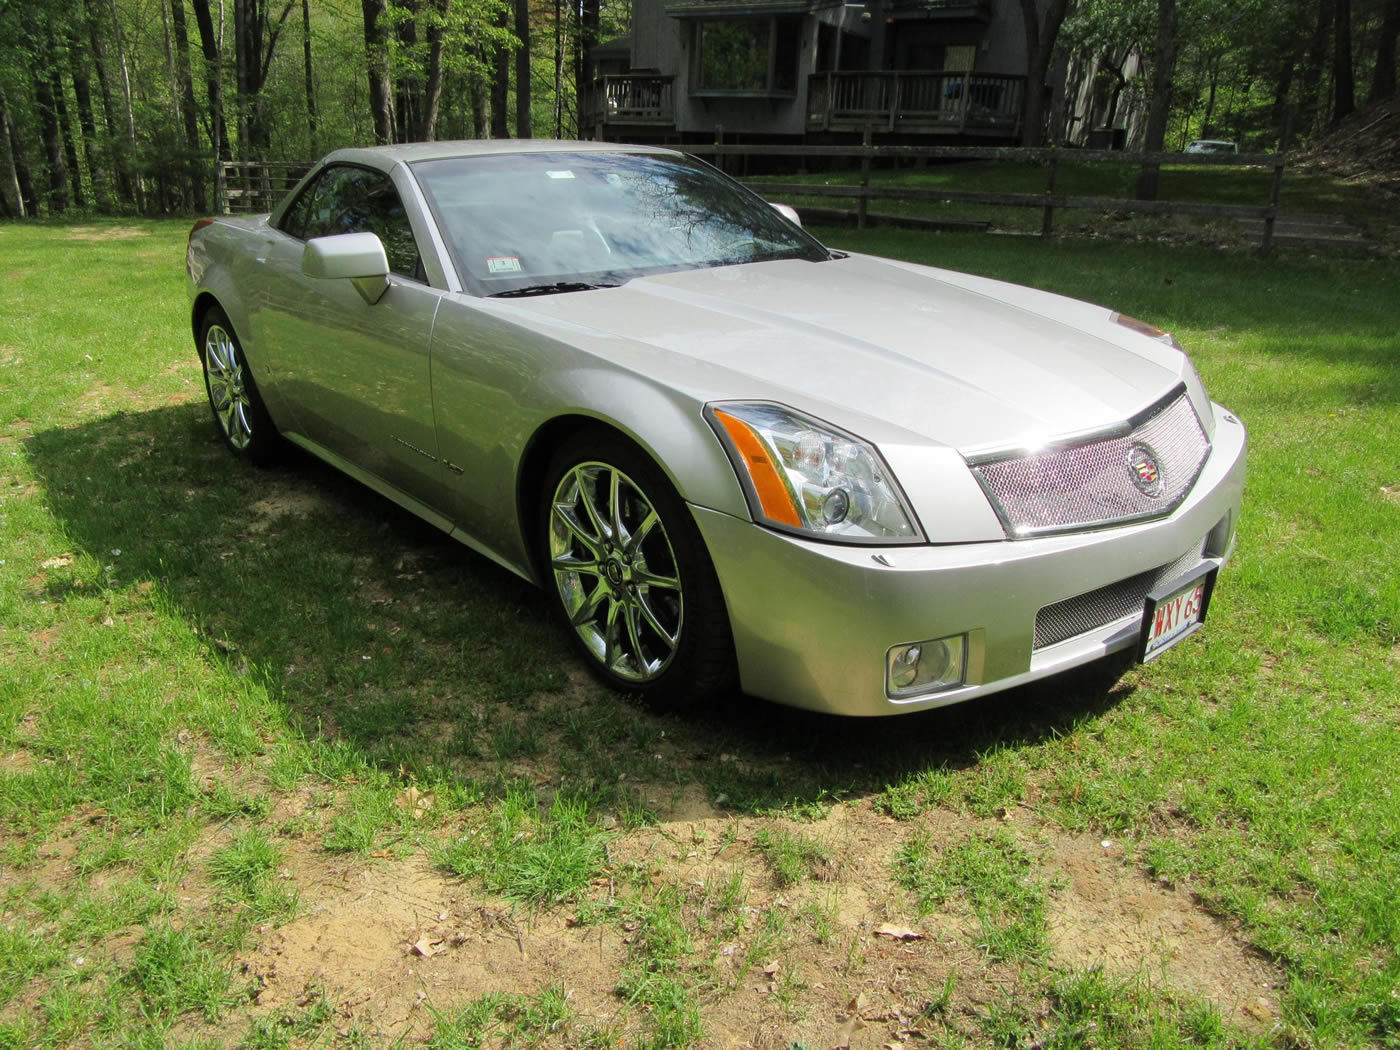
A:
(802, 475)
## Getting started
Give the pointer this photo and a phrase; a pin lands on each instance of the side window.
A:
(355, 200)
(294, 222)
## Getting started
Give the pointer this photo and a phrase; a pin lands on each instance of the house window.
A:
(748, 55)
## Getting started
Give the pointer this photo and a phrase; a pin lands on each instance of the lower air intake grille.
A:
(1093, 609)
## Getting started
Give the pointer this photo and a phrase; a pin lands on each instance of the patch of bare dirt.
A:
(1109, 914)
(106, 233)
(285, 503)
(392, 942)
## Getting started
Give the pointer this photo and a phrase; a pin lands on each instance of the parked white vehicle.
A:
(730, 454)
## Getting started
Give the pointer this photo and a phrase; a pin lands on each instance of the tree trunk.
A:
(49, 130)
(500, 83)
(558, 69)
(432, 86)
(1383, 79)
(1164, 65)
(1214, 77)
(1310, 91)
(524, 120)
(189, 110)
(583, 66)
(310, 83)
(82, 92)
(381, 104)
(116, 155)
(138, 191)
(19, 163)
(408, 88)
(1343, 73)
(209, 45)
(478, 100)
(65, 123)
(1040, 49)
(255, 42)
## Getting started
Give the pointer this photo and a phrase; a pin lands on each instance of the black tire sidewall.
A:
(704, 661)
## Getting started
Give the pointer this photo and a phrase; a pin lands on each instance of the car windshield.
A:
(536, 223)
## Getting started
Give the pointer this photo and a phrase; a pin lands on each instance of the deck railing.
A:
(927, 102)
(631, 98)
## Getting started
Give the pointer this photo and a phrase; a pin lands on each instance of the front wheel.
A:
(631, 575)
(238, 408)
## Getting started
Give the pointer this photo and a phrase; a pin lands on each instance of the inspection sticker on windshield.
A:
(503, 264)
(1175, 612)
(561, 174)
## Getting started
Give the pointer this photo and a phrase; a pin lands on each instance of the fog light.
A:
(925, 667)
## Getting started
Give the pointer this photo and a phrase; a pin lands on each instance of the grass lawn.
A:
(282, 767)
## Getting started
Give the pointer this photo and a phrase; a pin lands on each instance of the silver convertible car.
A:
(732, 456)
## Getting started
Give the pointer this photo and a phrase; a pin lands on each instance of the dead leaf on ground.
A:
(58, 562)
(427, 949)
(899, 933)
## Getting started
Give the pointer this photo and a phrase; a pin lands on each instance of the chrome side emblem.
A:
(1142, 467)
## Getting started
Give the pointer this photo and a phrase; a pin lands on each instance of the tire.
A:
(629, 574)
(234, 400)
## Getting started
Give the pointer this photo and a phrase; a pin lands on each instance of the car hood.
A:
(871, 344)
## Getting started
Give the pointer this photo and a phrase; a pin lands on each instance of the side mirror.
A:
(356, 257)
(787, 211)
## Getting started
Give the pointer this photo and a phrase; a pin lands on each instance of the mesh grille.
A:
(1093, 609)
(1095, 483)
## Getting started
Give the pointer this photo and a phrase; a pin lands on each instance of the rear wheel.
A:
(631, 576)
(238, 408)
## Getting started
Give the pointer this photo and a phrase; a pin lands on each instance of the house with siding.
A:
(810, 71)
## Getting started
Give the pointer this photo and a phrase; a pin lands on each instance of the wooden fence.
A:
(1047, 201)
(253, 187)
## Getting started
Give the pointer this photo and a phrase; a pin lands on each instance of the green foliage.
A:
(520, 852)
(998, 879)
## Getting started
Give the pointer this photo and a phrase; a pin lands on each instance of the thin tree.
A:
(1159, 111)
(436, 35)
(1343, 75)
(1041, 33)
(524, 120)
(87, 121)
(381, 97)
(310, 81)
(211, 46)
(19, 161)
(1383, 78)
(500, 79)
(65, 123)
(189, 109)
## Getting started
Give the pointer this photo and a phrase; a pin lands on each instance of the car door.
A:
(354, 373)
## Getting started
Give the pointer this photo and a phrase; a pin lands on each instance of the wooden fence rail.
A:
(1047, 201)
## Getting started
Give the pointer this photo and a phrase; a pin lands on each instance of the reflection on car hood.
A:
(869, 343)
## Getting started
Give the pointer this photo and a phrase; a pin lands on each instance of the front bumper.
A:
(813, 621)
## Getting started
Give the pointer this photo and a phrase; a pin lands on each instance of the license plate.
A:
(1174, 612)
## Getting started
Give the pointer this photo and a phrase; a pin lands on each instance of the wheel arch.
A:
(199, 310)
(706, 476)
(540, 449)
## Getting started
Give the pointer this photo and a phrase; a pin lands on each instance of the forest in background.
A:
(124, 106)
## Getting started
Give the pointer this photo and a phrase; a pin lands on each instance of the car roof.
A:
(386, 157)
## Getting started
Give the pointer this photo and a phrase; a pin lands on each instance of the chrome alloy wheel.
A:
(616, 571)
(228, 390)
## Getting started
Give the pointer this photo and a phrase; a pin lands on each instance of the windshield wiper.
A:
(553, 288)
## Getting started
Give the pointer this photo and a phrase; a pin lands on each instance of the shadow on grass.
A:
(372, 627)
